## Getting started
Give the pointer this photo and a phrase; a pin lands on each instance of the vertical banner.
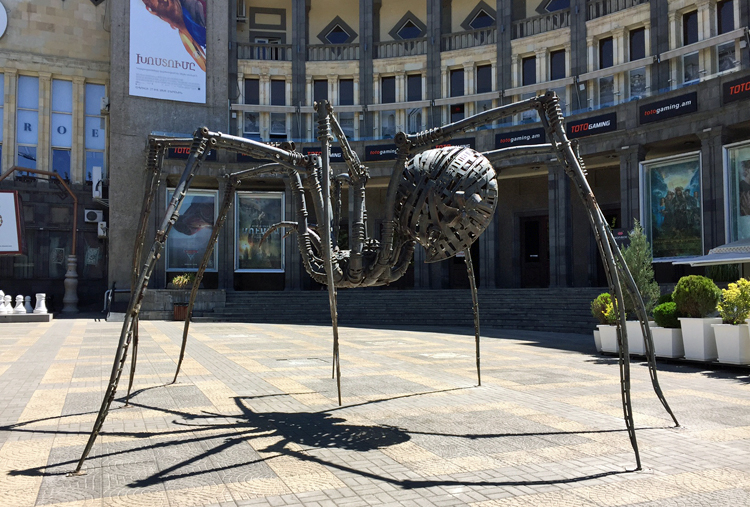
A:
(11, 240)
(737, 178)
(255, 213)
(672, 211)
(168, 49)
(188, 239)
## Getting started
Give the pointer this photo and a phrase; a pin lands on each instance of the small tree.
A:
(639, 260)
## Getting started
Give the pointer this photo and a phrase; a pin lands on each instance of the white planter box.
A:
(636, 344)
(609, 338)
(597, 340)
(668, 342)
(732, 343)
(698, 338)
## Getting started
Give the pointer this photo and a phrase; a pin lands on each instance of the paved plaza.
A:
(254, 420)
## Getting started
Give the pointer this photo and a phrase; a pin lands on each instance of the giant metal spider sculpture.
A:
(441, 198)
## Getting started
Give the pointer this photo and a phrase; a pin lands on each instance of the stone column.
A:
(578, 48)
(434, 32)
(712, 200)
(369, 10)
(504, 80)
(488, 255)
(300, 9)
(630, 158)
(43, 138)
(560, 227)
(659, 42)
(77, 155)
(8, 123)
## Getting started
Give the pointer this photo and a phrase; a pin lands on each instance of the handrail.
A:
(67, 188)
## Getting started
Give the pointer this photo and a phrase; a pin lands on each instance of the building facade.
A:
(655, 93)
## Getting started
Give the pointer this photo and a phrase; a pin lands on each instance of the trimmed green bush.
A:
(665, 315)
(182, 281)
(599, 308)
(734, 307)
(665, 298)
(696, 296)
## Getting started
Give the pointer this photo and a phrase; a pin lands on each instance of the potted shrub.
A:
(608, 331)
(599, 311)
(180, 301)
(695, 298)
(667, 334)
(639, 260)
(732, 335)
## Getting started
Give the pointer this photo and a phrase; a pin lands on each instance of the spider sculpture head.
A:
(447, 198)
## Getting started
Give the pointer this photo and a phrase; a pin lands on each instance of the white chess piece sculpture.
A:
(3, 309)
(8, 304)
(19, 305)
(40, 306)
(27, 305)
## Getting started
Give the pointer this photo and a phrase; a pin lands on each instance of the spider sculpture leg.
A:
(474, 307)
(223, 211)
(133, 361)
(197, 153)
(324, 136)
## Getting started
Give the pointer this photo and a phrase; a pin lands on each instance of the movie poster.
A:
(188, 239)
(672, 210)
(168, 49)
(737, 176)
(255, 213)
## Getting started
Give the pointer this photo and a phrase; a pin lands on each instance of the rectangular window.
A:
(320, 90)
(346, 92)
(690, 28)
(27, 122)
(606, 91)
(96, 133)
(252, 91)
(637, 44)
(61, 127)
(606, 53)
(457, 112)
(528, 71)
(388, 90)
(690, 67)
(457, 83)
(671, 206)
(725, 16)
(484, 78)
(726, 57)
(737, 176)
(346, 98)
(278, 120)
(637, 82)
(256, 213)
(191, 233)
(557, 65)
(387, 124)
(414, 87)
(251, 120)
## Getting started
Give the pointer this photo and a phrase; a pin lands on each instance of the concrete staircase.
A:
(555, 310)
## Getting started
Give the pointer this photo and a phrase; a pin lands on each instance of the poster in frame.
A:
(255, 213)
(737, 190)
(11, 232)
(671, 206)
(190, 235)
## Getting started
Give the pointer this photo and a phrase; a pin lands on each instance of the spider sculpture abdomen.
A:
(446, 199)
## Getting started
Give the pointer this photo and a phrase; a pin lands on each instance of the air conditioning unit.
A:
(101, 229)
(92, 216)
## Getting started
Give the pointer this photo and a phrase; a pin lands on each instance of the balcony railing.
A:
(539, 24)
(332, 52)
(395, 48)
(599, 8)
(469, 39)
(277, 52)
